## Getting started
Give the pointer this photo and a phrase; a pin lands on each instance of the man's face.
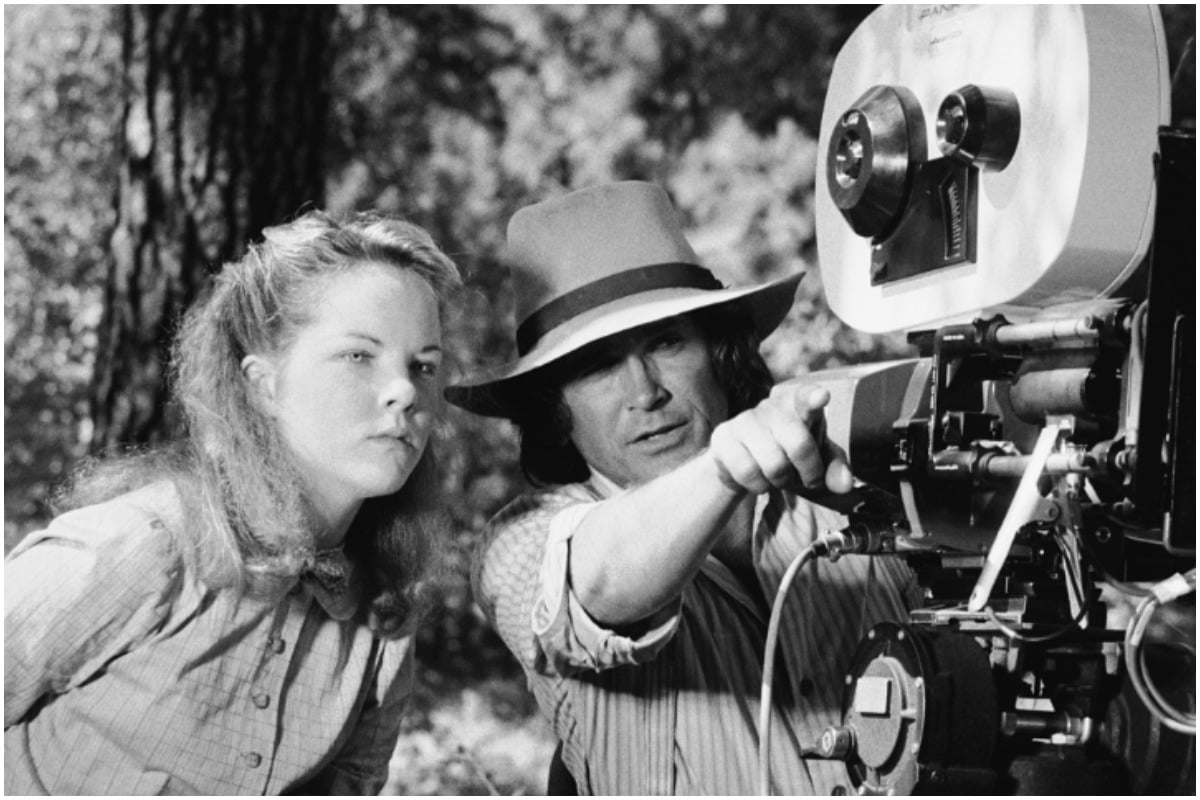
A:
(645, 401)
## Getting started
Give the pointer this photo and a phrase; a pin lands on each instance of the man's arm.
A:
(633, 554)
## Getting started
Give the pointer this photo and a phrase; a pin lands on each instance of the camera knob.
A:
(874, 149)
(979, 126)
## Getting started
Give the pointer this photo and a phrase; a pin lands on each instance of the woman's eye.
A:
(427, 368)
(356, 356)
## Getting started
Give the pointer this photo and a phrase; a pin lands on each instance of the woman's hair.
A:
(547, 454)
(233, 468)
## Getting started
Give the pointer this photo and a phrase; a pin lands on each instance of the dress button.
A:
(806, 687)
(252, 759)
(278, 645)
(262, 699)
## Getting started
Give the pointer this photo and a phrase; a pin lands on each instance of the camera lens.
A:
(952, 121)
(873, 152)
(848, 158)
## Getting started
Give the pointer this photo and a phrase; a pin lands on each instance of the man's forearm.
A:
(634, 553)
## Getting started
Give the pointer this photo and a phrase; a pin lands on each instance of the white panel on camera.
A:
(873, 696)
(1066, 215)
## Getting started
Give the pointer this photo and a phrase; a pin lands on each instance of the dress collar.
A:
(334, 581)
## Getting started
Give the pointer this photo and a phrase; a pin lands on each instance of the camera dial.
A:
(979, 126)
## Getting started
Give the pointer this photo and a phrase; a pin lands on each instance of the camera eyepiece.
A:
(979, 126)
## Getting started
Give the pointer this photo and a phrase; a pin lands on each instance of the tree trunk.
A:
(224, 126)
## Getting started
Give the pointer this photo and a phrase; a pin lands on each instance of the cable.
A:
(832, 544)
(1097, 563)
(1013, 633)
(1135, 661)
(764, 709)
(1072, 563)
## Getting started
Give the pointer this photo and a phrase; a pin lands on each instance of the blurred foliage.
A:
(61, 121)
(471, 736)
(452, 116)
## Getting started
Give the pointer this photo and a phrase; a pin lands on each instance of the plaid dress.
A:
(124, 674)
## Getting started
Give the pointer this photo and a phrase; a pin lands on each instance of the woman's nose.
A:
(399, 393)
(643, 388)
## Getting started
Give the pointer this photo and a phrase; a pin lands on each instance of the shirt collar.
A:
(602, 485)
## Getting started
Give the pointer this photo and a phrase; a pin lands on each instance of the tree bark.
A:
(224, 126)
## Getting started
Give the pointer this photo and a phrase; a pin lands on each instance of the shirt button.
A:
(261, 700)
(252, 759)
(806, 687)
(278, 645)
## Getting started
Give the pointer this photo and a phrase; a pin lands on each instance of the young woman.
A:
(233, 615)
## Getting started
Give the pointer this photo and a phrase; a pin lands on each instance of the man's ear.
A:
(260, 381)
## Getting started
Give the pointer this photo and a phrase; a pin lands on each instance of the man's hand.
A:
(632, 554)
(781, 443)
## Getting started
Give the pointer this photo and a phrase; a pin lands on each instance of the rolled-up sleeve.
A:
(568, 634)
(522, 582)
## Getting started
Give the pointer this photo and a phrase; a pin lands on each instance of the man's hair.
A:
(547, 454)
(251, 518)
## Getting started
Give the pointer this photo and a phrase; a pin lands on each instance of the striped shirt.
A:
(123, 674)
(672, 708)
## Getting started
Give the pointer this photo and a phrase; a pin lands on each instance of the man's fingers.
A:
(795, 443)
(838, 477)
(810, 405)
(782, 443)
(734, 461)
(776, 451)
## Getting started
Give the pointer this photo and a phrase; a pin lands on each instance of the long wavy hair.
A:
(548, 455)
(251, 523)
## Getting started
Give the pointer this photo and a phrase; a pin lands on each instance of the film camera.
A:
(1003, 184)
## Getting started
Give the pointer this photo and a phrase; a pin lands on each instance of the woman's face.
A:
(359, 389)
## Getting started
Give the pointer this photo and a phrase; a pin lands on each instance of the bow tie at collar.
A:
(334, 581)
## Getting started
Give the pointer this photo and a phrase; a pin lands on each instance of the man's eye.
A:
(597, 364)
(666, 341)
(427, 368)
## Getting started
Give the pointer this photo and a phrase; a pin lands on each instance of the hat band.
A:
(672, 275)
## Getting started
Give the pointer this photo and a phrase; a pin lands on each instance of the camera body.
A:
(1002, 184)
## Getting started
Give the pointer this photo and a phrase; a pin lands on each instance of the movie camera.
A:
(1003, 184)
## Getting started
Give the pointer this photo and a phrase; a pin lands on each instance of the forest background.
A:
(145, 145)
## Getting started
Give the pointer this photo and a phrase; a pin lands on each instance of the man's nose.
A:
(642, 383)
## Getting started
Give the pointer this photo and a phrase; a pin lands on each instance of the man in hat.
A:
(636, 584)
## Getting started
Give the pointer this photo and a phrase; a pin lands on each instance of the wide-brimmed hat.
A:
(597, 262)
